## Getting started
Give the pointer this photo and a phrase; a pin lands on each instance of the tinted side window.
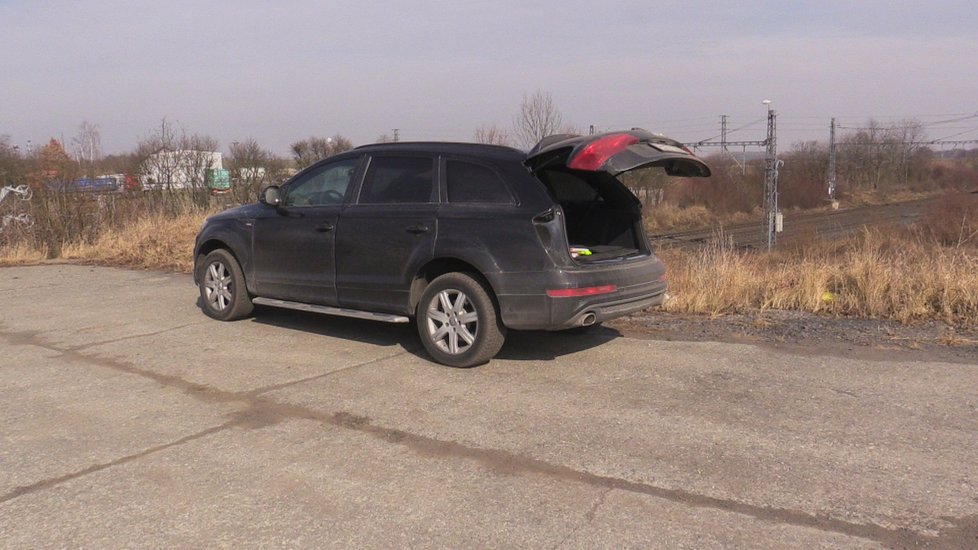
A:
(398, 180)
(322, 185)
(468, 182)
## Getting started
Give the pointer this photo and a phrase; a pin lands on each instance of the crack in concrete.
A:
(588, 518)
(48, 483)
(261, 412)
(275, 387)
(133, 337)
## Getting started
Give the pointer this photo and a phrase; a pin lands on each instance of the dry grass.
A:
(902, 276)
(669, 217)
(868, 197)
(155, 242)
(873, 275)
(22, 253)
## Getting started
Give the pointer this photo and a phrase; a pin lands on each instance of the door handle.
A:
(417, 228)
(325, 227)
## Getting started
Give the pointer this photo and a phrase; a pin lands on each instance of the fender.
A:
(510, 248)
(233, 235)
(466, 249)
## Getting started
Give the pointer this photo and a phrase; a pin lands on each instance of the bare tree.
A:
(492, 135)
(877, 155)
(176, 164)
(802, 179)
(911, 136)
(12, 165)
(308, 151)
(120, 163)
(648, 185)
(87, 146)
(570, 129)
(57, 209)
(55, 164)
(251, 168)
(156, 169)
(537, 119)
(198, 156)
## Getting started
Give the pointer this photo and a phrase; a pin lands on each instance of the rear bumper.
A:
(639, 285)
(564, 316)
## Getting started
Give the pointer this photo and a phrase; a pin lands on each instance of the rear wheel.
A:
(222, 287)
(458, 322)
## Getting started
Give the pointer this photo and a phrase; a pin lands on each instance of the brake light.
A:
(578, 292)
(596, 153)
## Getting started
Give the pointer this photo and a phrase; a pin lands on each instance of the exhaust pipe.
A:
(588, 319)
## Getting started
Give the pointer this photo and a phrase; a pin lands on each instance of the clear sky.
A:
(282, 71)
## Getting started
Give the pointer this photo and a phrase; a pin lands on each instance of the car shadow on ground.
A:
(519, 346)
(538, 345)
(348, 328)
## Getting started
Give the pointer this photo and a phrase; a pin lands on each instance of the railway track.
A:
(833, 224)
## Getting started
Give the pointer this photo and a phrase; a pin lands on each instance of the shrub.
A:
(895, 275)
(952, 220)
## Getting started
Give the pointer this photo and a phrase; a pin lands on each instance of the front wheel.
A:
(222, 287)
(458, 322)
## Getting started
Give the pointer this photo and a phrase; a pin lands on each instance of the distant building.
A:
(180, 169)
(252, 173)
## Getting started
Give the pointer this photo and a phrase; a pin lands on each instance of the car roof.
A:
(481, 150)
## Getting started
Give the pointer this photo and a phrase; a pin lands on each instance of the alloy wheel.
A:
(453, 321)
(218, 287)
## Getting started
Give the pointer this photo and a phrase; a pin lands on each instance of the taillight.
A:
(584, 291)
(596, 153)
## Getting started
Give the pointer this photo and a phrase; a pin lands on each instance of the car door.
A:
(388, 233)
(294, 243)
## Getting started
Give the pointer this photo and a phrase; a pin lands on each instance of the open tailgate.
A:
(616, 153)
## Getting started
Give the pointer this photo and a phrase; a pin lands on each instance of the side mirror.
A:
(271, 196)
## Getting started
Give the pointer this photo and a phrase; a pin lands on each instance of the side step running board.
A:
(386, 317)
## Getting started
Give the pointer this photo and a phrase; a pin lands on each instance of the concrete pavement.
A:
(131, 419)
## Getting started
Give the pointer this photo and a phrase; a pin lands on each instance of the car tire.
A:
(458, 321)
(223, 293)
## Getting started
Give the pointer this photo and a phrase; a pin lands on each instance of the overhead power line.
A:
(949, 121)
(922, 125)
(931, 142)
(959, 133)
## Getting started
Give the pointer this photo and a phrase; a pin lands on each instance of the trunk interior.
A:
(603, 218)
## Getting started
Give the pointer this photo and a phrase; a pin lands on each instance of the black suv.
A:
(466, 239)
